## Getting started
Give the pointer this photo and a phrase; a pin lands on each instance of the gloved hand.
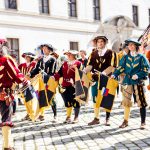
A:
(134, 77)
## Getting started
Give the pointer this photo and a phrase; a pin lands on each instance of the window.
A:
(44, 6)
(11, 4)
(74, 46)
(135, 15)
(149, 15)
(96, 7)
(14, 46)
(72, 8)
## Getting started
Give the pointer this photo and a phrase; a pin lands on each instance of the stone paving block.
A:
(48, 136)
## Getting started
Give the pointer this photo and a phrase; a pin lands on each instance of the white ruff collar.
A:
(101, 52)
(46, 58)
(133, 54)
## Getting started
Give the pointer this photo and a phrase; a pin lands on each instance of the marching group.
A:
(129, 67)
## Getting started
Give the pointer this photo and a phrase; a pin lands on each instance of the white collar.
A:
(124, 53)
(28, 64)
(46, 58)
(133, 54)
(101, 52)
(71, 62)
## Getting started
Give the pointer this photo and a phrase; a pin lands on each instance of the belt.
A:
(67, 80)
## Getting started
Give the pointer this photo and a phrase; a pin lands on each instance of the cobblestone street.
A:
(47, 135)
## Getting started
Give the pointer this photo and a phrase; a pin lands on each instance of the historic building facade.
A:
(70, 24)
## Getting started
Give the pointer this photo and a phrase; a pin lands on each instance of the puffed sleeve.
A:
(144, 68)
(13, 71)
(121, 67)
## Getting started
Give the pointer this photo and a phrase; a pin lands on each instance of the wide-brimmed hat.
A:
(100, 37)
(73, 52)
(49, 46)
(29, 54)
(137, 43)
(2, 41)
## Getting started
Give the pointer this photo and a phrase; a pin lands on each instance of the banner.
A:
(106, 92)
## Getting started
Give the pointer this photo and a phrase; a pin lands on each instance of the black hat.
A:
(28, 54)
(100, 37)
(132, 41)
(49, 46)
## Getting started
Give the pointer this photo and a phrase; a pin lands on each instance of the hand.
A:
(112, 76)
(7, 100)
(104, 73)
(52, 77)
(26, 83)
(134, 77)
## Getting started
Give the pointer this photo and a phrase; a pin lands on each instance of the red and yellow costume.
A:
(9, 75)
(27, 68)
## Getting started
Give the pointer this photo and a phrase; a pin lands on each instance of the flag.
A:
(82, 84)
(106, 92)
(51, 89)
(145, 38)
(42, 93)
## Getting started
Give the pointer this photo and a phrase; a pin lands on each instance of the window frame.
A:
(135, 13)
(8, 4)
(149, 14)
(42, 7)
(96, 8)
(17, 51)
(71, 45)
(72, 13)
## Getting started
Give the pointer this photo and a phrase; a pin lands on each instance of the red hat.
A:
(2, 41)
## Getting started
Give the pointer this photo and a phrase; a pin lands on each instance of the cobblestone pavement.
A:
(47, 135)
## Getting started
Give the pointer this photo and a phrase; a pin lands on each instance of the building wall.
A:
(111, 8)
(57, 28)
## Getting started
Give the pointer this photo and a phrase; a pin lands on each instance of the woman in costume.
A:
(67, 71)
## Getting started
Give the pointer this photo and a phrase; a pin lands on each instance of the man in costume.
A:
(100, 59)
(9, 75)
(67, 71)
(47, 63)
(83, 58)
(29, 65)
(135, 66)
(26, 68)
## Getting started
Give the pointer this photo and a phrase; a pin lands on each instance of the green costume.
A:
(133, 65)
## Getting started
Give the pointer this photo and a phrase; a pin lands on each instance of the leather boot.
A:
(124, 124)
(41, 118)
(142, 126)
(107, 122)
(95, 121)
(67, 121)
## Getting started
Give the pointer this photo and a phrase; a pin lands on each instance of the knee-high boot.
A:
(54, 108)
(143, 114)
